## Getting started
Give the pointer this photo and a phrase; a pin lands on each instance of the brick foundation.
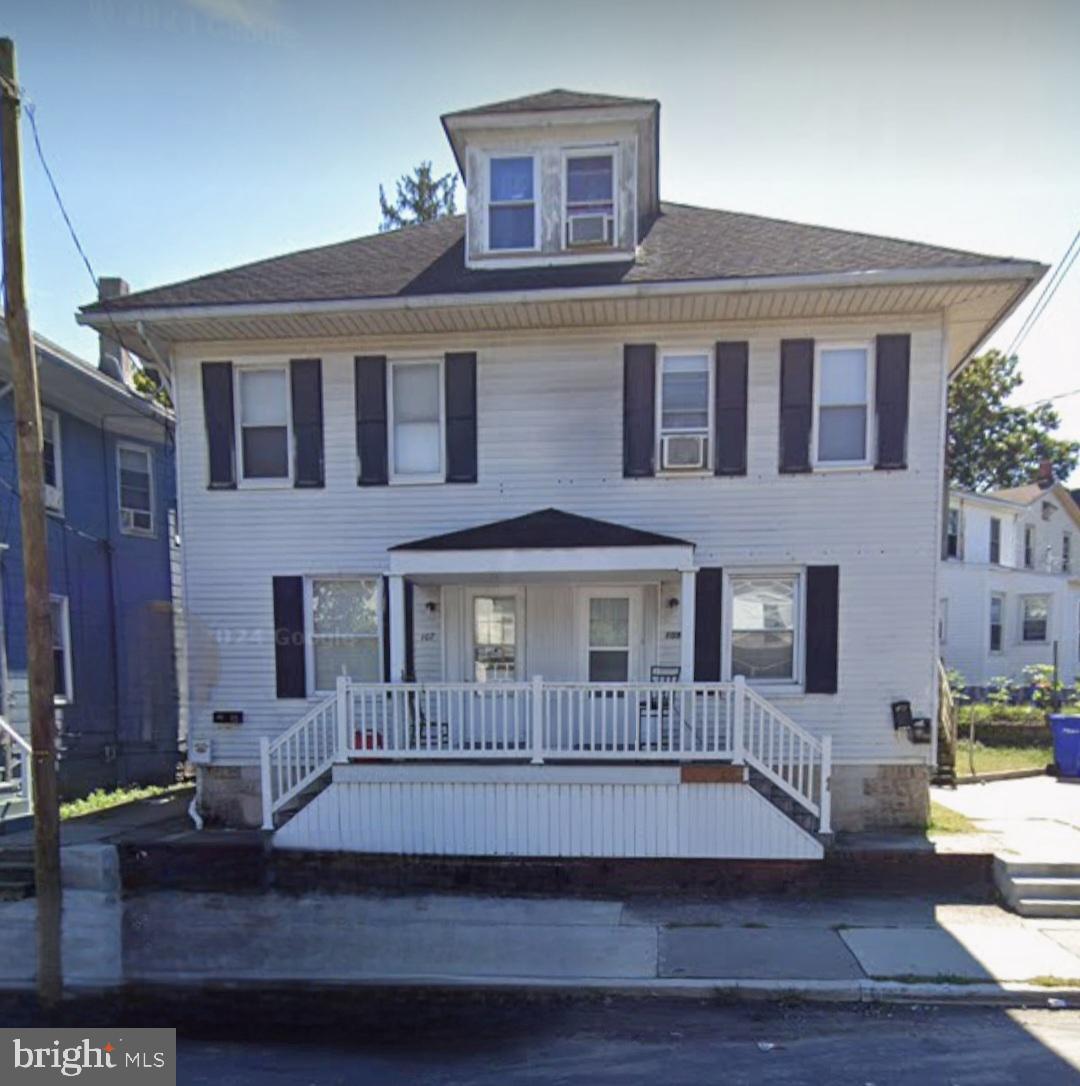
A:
(230, 795)
(880, 797)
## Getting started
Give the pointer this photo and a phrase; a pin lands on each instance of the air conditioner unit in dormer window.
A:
(683, 452)
(592, 228)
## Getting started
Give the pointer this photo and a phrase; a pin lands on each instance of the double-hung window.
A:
(52, 462)
(997, 622)
(952, 534)
(843, 405)
(685, 411)
(416, 410)
(995, 540)
(590, 198)
(764, 624)
(1034, 619)
(63, 691)
(344, 630)
(511, 203)
(263, 394)
(135, 485)
(1066, 553)
(1029, 546)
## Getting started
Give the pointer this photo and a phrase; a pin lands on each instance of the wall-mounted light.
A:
(431, 607)
(673, 602)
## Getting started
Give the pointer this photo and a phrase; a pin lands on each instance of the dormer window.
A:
(590, 198)
(512, 203)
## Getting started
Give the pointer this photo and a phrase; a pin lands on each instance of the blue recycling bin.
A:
(1066, 732)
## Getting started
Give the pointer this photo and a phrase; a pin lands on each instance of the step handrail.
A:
(26, 773)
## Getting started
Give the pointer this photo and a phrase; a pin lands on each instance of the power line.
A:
(1050, 399)
(1049, 290)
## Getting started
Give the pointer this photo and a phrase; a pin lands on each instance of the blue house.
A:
(110, 495)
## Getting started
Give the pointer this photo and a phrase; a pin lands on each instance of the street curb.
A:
(1005, 994)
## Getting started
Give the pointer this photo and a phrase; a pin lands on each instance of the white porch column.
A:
(397, 628)
(686, 613)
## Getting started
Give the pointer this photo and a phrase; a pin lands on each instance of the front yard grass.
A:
(999, 759)
(102, 800)
(945, 820)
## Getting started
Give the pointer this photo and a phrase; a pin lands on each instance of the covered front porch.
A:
(538, 667)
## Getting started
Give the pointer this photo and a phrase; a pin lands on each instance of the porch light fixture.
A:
(673, 602)
(431, 607)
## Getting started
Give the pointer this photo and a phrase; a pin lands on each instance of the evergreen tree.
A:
(420, 198)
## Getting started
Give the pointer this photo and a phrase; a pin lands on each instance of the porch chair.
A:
(656, 707)
(423, 733)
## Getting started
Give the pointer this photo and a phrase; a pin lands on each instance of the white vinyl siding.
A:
(416, 421)
(52, 462)
(135, 489)
(843, 390)
(550, 434)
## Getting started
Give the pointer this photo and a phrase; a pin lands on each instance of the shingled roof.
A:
(683, 244)
(553, 99)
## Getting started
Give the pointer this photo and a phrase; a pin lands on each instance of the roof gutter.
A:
(616, 291)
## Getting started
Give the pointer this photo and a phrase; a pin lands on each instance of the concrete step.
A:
(1037, 869)
(1048, 907)
(1046, 887)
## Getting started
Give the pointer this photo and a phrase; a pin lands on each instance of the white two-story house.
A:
(583, 524)
(1010, 584)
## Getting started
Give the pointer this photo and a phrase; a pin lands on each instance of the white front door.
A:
(609, 634)
(496, 619)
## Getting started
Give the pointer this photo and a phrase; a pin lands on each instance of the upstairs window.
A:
(590, 199)
(995, 540)
(1029, 546)
(685, 412)
(1066, 553)
(843, 397)
(416, 403)
(511, 203)
(52, 465)
(1034, 618)
(264, 422)
(952, 535)
(135, 482)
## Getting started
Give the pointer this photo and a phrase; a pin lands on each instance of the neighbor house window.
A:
(763, 624)
(590, 199)
(952, 535)
(495, 638)
(511, 203)
(997, 623)
(52, 461)
(943, 621)
(264, 422)
(63, 691)
(1034, 618)
(135, 483)
(1029, 546)
(416, 404)
(685, 411)
(995, 540)
(1066, 553)
(843, 398)
(344, 630)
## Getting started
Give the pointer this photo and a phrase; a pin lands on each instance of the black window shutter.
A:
(305, 375)
(371, 420)
(289, 653)
(891, 395)
(410, 648)
(386, 629)
(461, 417)
(796, 403)
(732, 363)
(639, 410)
(707, 625)
(822, 628)
(217, 388)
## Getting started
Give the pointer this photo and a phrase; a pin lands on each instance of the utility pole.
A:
(32, 510)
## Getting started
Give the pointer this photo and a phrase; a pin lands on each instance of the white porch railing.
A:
(16, 772)
(543, 721)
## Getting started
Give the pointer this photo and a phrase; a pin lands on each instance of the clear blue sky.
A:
(188, 135)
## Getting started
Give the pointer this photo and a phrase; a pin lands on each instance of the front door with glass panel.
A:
(610, 629)
(495, 627)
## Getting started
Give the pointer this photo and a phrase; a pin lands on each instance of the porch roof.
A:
(546, 541)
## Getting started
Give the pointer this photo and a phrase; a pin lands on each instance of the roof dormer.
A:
(558, 177)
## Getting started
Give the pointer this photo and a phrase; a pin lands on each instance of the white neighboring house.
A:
(618, 515)
(1010, 583)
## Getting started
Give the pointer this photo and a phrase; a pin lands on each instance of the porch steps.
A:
(782, 801)
(1039, 888)
(16, 874)
(301, 799)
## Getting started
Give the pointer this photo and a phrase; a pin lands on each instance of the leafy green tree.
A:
(420, 198)
(992, 444)
(148, 382)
